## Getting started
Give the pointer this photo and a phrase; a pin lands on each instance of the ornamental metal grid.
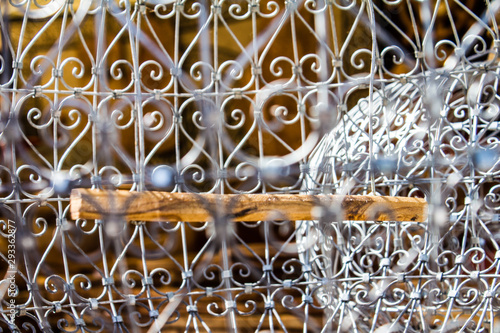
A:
(384, 97)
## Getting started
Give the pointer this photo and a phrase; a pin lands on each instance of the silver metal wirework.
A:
(396, 98)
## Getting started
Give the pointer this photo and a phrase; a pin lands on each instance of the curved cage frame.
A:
(393, 98)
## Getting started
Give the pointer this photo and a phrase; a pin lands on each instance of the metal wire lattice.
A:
(394, 98)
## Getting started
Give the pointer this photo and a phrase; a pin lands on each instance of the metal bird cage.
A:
(378, 98)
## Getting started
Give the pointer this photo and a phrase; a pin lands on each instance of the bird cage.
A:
(249, 100)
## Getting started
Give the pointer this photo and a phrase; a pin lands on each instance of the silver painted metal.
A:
(232, 96)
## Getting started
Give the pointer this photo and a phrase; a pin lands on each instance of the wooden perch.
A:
(190, 207)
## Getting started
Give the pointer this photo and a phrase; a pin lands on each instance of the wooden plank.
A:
(191, 207)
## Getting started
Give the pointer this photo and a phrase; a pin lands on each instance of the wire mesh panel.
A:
(380, 98)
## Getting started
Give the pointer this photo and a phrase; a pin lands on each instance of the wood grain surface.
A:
(190, 207)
